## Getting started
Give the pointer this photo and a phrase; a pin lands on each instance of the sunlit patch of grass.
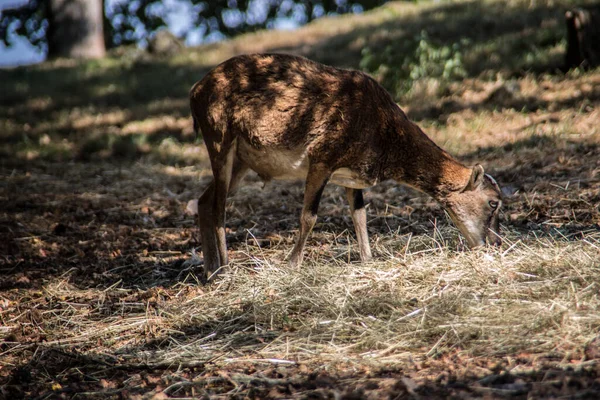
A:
(172, 152)
(113, 145)
(420, 300)
(89, 119)
(99, 161)
(44, 148)
(156, 125)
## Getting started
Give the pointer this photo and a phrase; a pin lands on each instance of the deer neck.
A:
(423, 165)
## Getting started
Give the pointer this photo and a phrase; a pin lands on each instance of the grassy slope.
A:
(98, 161)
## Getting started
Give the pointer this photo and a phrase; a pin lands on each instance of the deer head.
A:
(476, 207)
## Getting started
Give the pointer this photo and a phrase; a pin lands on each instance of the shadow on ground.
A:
(59, 373)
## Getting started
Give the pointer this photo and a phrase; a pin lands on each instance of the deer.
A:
(287, 117)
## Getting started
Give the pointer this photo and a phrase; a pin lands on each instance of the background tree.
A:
(68, 28)
(583, 37)
(75, 28)
(80, 28)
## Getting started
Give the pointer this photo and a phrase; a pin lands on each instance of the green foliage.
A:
(399, 67)
(437, 61)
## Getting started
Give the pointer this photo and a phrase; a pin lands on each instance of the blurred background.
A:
(26, 28)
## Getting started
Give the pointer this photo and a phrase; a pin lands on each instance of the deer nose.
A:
(494, 239)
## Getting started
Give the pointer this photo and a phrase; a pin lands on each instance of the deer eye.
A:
(493, 204)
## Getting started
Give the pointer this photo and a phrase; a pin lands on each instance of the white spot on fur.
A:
(192, 207)
(275, 163)
(472, 228)
(492, 179)
(348, 178)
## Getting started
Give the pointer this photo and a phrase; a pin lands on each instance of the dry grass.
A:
(420, 299)
(99, 296)
(534, 297)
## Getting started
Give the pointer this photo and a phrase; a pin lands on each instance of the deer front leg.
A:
(359, 218)
(315, 183)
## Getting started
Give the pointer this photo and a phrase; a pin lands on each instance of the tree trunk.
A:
(75, 29)
(583, 38)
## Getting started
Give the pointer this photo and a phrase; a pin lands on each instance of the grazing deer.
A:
(287, 117)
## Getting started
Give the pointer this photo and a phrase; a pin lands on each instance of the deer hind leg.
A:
(359, 218)
(316, 180)
(221, 148)
(227, 180)
(211, 218)
(206, 223)
(222, 172)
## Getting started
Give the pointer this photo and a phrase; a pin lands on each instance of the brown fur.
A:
(287, 117)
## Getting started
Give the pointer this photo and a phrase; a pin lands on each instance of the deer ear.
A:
(477, 174)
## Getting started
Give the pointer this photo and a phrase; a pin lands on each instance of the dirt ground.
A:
(99, 299)
(103, 225)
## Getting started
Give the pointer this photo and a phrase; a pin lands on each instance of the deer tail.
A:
(196, 126)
